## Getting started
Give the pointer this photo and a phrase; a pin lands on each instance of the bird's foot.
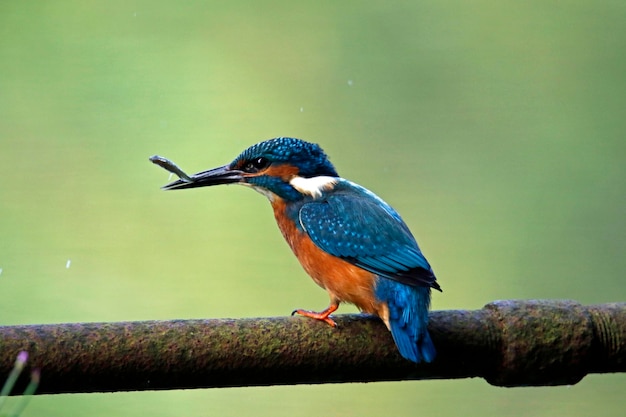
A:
(322, 315)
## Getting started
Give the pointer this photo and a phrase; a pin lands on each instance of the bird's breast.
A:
(343, 281)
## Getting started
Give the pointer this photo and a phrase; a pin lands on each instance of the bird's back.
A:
(352, 223)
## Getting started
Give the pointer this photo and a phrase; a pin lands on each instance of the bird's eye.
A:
(256, 165)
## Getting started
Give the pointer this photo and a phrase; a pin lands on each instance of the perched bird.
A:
(352, 243)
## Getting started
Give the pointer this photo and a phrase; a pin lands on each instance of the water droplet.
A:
(301, 109)
(350, 82)
(68, 263)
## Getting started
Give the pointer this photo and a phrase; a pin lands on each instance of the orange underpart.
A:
(343, 281)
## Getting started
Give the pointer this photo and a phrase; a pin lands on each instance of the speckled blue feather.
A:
(354, 224)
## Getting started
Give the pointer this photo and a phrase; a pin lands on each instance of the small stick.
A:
(171, 167)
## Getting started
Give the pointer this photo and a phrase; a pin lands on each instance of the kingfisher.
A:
(351, 242)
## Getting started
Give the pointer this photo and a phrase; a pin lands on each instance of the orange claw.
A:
(322, 315)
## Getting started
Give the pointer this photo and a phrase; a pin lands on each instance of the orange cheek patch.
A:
(284, 171)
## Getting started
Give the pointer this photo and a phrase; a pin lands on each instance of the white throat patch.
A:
(267, 193)
(314, 186)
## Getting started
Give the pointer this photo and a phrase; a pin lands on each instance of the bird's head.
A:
(285, 167)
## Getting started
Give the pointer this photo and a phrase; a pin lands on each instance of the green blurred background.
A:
(495, 127)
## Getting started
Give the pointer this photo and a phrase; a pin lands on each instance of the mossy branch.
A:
(509, 343)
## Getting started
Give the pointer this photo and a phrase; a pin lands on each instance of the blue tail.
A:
(408, 318)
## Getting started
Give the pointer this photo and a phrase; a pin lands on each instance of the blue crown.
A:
(308, 157)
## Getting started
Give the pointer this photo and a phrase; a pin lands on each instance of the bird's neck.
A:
(286, 215)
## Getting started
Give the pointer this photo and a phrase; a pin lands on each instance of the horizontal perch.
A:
(509, 343)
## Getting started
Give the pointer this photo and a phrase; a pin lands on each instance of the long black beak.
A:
(215, 176)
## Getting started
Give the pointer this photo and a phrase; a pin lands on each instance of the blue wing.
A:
(357, 226)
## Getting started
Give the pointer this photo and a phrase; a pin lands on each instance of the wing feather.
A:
(362, 229)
